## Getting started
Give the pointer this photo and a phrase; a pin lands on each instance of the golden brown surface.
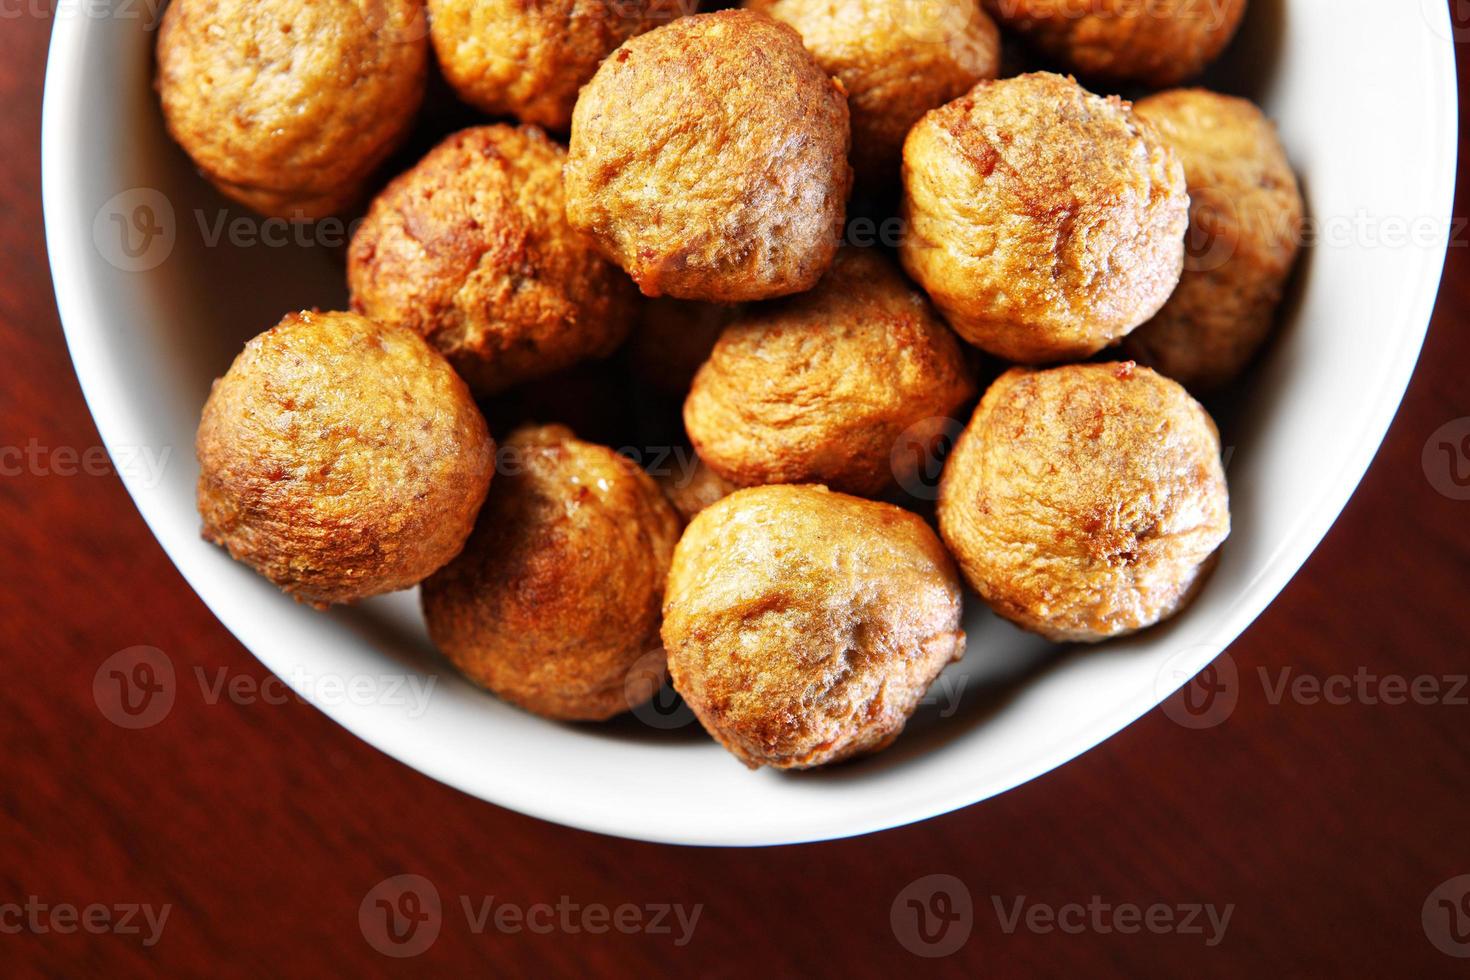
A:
(709, 159)
(1245, 217)
(818, 388)
(897, 59)
(692, 491)
(528, 60)
(803, 626)
(288, 106)
(1044, 221)
(1158, 42)
(673, 338)
(1085, 501)
(471, 248)
(556, 595)
(341, 458)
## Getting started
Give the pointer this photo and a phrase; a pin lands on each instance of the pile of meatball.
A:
(670, 191)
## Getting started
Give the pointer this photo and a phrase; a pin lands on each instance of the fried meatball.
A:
(341, 458)
(709, 159)
(673, 338)
(897, 59)
(803, 626)
(1044, 221)
(1157, 43)
(471, 248)
(288, 106)
(1245, 217)
(1085, 501)
(819, 387)
(692, 490)
(528, 60)
(556, 595)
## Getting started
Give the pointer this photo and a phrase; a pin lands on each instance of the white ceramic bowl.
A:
(1364, 94)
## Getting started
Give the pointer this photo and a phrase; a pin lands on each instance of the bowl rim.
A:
(83, 314)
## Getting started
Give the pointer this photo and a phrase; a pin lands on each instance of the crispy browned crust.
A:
(819, 387)
(528, 60)
(897, 59)
(556, 596)
(1245, 214)
(803, 626)
(1044, 221)
(341, 458)
(708, 158)
(288, 106)
(471, 248)
(1085, 501)
(1159, 43)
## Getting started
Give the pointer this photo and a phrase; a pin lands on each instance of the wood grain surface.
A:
(1322, 827)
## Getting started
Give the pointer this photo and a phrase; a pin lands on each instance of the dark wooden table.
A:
(1323, 827)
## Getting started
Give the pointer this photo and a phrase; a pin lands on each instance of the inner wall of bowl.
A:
(148, 342)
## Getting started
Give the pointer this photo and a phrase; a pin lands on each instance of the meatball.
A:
(471, 248)
(692, 490)
(673, 338)
(1085, 501)
(803, 626)
(897, 60)
(556, 596)
(1158, 43)
(288, 106)
(709, 159)
(1245, 217)
(819, 387)
(341, 458)
(1044, 221)
(528, 60)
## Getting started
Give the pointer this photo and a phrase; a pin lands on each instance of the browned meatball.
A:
(1245, 216)
(288, 106)
(803, 626)
(341, 458)
(528, 60)
(819, 387)
(1085, 501)
(897, 59)
(1158, 42)
(556, 596)
(709, 159)
(471, 248)
(1044, 221)
(673, 338)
